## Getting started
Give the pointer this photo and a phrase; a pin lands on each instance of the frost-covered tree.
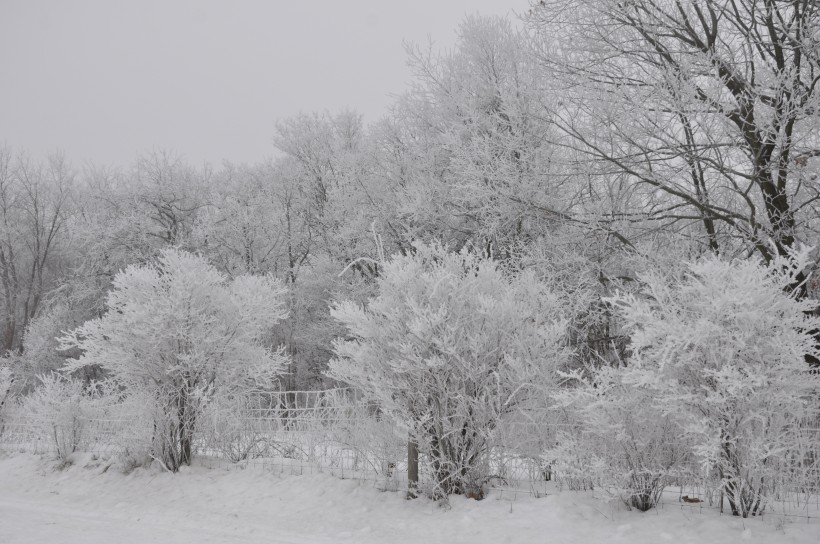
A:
(448, 347)
(258, 221)
(168, 194)
(723, 347)
(35, 203)
(703, 113)
(466, 143)
(180, 331)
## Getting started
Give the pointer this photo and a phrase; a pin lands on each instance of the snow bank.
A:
(91, 502)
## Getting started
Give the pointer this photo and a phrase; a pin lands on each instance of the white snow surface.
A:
(92, 502)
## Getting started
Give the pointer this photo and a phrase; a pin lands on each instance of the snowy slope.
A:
(85, 503)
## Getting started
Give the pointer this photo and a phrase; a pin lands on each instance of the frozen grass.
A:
(90, 501)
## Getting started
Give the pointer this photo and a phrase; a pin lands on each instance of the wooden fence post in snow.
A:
(412, 468)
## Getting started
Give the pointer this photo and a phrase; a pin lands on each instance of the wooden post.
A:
(412, 468)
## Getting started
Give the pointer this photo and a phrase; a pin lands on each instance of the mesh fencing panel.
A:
(339, 432)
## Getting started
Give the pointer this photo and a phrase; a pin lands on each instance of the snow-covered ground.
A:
(90, 502)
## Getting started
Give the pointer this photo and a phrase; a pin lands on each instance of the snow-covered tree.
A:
(168, 194)
(703, 112)
(723, 346)
(466, 144)
(258, 222)
(35, 203)
(180, 331)
(448, 347)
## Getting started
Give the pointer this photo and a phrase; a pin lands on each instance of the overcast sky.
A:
(103, 80)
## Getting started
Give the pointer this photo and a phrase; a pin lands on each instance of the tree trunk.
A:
(185, 447)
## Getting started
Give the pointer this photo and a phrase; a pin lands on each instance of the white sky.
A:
(103, 80)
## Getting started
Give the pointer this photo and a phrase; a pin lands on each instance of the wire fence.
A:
(338, 432)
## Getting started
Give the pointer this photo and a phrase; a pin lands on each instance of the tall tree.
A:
(34, 207)
(703, 112)
(469, 144)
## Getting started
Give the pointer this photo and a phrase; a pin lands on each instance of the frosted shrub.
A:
(368, 434)
(448, 347)
(234, 429)
(39, 355)
(723, 347)
(577, 466)
(59, 406)
(118, 423)
(178, 332)
(635, 444)
(136, 416)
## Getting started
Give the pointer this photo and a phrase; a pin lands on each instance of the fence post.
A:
(412, 468)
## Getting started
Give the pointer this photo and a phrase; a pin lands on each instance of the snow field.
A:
(91, 502)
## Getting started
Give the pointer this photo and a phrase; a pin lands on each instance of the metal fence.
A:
(338, 432)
